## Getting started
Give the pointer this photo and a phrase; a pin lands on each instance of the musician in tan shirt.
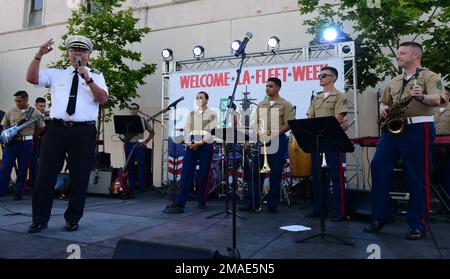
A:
(198, 129)
(20, 147)
(413, 145)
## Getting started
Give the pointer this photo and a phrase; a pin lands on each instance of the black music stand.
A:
(128, 125)
(321, 135)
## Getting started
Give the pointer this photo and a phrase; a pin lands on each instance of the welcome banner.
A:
(299, 81)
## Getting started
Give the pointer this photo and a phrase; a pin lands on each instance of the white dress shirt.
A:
(60, 81)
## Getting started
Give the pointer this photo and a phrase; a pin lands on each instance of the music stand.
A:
(321, 135)
(128, 125)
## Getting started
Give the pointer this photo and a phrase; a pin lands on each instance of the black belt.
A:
(70, 124)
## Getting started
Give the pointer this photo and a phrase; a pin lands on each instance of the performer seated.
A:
(441, 154)
(329, 102)
(422, 91)
(199, 151)
(272, 116)
(139, 152)
(20, 147)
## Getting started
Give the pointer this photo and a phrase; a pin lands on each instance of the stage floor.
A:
(106, 220)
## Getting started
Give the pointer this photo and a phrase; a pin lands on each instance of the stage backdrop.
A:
(299, 81)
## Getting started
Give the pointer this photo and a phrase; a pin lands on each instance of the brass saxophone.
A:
(395, 122)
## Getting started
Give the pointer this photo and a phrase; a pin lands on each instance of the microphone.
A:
(241, 48)
(78, 60)
(172, 105)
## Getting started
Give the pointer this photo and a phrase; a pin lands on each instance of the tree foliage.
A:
(378, 31)
(112, 32)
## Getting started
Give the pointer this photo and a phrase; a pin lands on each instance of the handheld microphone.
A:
(416, 76)
(172, 105)
(241, 48)
(78, 60)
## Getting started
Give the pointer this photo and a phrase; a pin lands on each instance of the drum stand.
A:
(225, 184)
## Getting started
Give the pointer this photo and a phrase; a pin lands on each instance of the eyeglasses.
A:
(79, 50)
(325, 75)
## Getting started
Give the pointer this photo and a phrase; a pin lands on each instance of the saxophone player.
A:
(413, 144)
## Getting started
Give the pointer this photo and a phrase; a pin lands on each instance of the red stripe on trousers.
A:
(341, 184)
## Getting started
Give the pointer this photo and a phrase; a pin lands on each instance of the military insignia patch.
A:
(439, 85)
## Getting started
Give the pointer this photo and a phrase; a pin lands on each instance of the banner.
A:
(299, 81)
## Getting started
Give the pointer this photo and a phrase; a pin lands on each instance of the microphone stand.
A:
(153, 119)
(233, 253)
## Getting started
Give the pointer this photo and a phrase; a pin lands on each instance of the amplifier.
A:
(100, 181)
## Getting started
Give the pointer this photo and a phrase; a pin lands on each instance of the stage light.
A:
(235, 45)
(330, 34)
(198, 51)
(273, 43)
(167, 54)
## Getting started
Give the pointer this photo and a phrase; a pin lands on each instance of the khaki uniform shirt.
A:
(271, 117)
(431, 84)
(199, 123)
(442, 120)
(14, 115)
(334, 104)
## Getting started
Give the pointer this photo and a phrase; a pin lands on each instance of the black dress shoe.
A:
(338, 218)
(374, 227)
(35, 228)
(71, 227)
(171, 209)
(414, 234)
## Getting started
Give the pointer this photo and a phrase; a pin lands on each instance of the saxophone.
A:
(395, 122)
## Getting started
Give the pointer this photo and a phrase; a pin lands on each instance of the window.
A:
(35, 16)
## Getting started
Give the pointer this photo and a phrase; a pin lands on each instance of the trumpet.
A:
(265, 168)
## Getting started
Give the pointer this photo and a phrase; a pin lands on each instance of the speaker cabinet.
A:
(100, 181)
(133, 249)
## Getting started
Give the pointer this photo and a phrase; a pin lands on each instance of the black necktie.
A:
(73, 95)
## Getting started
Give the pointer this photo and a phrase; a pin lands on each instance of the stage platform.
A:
(107, 220)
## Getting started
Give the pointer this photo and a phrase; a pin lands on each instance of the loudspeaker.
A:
(100, 181)
(134, 249)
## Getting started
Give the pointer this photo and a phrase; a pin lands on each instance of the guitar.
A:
(120, 185)
(7, 136)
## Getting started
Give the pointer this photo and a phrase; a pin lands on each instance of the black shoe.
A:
(272, 210)
(201, 205)
(338, 218)
(177, 209)
(17, 197)
(414, 234)
(71, 227)
(374, 227)
(35, 228)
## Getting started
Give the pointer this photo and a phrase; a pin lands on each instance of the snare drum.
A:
(300, 162)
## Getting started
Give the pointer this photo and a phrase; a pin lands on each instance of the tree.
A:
(112, 32)
(378, 31)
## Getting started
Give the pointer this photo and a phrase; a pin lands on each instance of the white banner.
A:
(299, 80)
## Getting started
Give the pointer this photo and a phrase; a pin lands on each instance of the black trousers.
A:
(78, 142)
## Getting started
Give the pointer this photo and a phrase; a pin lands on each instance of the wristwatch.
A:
(89, 81)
